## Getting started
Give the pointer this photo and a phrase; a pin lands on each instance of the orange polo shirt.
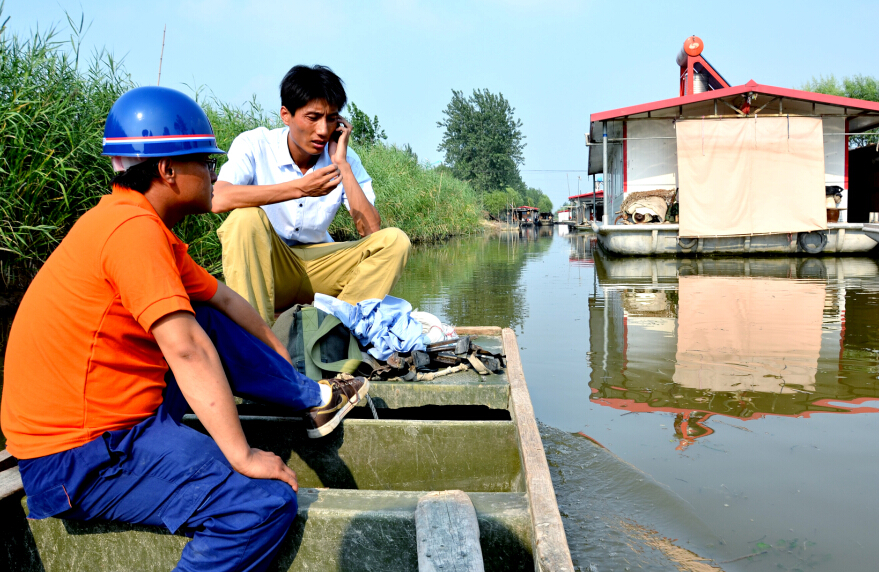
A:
(81, 359)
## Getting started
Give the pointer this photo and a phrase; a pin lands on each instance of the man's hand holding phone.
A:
(338, 146)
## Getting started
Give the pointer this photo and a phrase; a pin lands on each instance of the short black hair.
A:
(138, 177)
(303, 84)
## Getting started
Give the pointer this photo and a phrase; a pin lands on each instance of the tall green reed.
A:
(427, 204)
(53, 107)
(52, 112)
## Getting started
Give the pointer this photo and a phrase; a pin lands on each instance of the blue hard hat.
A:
(157, 121)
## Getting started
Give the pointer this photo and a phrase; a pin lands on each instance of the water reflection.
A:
(476, 281)
(582, 246)
(742, 338)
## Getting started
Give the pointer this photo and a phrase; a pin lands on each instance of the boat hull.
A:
(663, 240)
(361, 484)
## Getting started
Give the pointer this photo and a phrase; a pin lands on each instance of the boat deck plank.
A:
(447, 533)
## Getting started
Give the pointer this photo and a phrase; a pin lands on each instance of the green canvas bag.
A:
(320, 345)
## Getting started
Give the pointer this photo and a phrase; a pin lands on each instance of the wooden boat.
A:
(360, 485)
(525, 215)
(544, 219)
(663, 240)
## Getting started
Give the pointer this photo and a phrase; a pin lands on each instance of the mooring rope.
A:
(371, 406)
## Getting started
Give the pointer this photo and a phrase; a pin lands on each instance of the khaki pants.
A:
(272, 276)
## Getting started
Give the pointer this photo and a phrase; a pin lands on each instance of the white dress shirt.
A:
(261, 157)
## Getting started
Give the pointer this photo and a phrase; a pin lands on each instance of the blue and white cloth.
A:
(261, 157)
(386, 324)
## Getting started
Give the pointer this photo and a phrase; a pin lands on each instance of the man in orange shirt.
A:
(89, 407)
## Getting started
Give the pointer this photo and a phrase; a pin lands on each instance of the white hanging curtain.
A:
(751, 175)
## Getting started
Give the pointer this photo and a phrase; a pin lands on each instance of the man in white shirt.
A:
(284, 187)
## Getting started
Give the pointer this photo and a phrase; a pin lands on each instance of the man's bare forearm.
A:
(242, 313)
(200, 376)
(228, 197)
(199, 373)
(317, 183)
(365, 215)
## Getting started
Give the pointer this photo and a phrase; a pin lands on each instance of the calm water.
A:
(733, 400)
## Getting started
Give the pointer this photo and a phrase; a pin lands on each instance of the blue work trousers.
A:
(163, 473)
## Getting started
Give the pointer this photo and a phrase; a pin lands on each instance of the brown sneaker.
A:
(346, 394)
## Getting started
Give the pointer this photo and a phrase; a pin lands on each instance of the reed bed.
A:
(427, 204)
(52, 112)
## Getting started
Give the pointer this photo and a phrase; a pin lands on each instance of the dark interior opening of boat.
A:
(863, 183)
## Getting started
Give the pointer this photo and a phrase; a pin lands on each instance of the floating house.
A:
(588, 206)
(752, 168)
(525, 215)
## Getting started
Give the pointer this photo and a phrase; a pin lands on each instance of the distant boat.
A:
(544, 219)
(525, 215)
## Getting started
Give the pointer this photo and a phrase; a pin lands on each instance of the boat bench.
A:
(335, 530)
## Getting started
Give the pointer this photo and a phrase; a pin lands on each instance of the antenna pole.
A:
(161, 55)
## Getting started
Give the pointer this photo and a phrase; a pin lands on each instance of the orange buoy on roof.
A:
(693, 46)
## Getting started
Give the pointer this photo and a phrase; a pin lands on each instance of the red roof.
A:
(738, 90)
(600, 195)
(527, 208)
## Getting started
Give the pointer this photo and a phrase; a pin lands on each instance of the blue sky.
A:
(555, 61)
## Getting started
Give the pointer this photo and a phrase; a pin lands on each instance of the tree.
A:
(364, 131)
(536, 198)
(544, 204)
(483, 141)
(499, 201)
(856, 86)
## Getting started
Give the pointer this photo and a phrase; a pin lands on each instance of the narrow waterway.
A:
(697, 414)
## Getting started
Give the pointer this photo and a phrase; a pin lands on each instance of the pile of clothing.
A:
(404, 344)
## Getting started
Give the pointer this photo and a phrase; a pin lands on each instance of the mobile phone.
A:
(336, 134)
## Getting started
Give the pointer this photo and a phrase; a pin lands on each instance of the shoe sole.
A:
(328, 428)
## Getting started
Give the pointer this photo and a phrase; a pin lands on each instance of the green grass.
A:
(53, 106)
(427, 204)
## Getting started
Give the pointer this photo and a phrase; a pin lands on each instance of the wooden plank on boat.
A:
(478, 330)
(10, 482)
(447, 533)
(551, 551)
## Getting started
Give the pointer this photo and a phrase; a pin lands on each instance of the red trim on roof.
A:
(527, 208)
(600, 195)
(737, 90)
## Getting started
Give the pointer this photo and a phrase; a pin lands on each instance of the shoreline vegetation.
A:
(53, 105)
